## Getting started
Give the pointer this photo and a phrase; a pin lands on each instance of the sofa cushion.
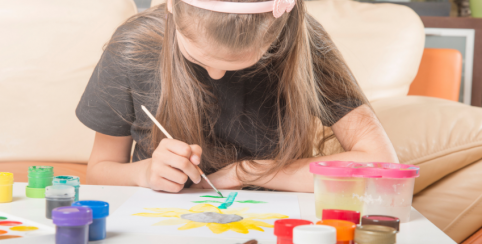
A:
(48, 52)
(381, 43)
(454, 203)
(438, 135)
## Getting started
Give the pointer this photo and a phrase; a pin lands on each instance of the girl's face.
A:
(214, 59)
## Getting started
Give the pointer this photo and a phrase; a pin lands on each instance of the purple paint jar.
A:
(72, 224)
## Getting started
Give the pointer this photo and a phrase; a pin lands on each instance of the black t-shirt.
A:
(111, 105)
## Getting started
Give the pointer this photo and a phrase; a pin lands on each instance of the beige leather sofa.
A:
(48, 56)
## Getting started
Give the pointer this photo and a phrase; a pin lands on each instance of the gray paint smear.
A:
(211, 217)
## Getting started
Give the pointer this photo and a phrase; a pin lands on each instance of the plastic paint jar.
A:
(384, 220)
(6, 187)
(39, 177)
(345, 230)
(68, 180)
(100, 210)
(375, 234)
(314, 234)
(335, 186)
(58, 196)
(348, 215)
(283, 229)
(391, 193)
(72, 224)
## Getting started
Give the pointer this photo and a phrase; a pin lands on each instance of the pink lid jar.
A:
(370, 188)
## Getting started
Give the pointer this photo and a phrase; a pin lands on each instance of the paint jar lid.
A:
(348, 215)
(100, 209)
(72, 216)
(384, 220)
(364, 170)
(375, 234)
(314, 234)
(345, 230)
(40, 171)
(35, 192)
(6, 178)
(59, 191)
(67, 180)
(284, 227)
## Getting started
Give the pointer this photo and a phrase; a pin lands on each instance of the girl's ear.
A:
(169, 6)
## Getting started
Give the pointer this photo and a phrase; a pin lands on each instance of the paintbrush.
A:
(170, 137)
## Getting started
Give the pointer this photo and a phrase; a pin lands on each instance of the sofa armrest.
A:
(439, 136)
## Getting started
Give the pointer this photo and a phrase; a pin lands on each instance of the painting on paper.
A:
(192, 213)
(13, 227)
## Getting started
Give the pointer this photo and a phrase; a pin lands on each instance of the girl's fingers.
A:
(184, 165)
(172, 174)
(177, 147)
(196, 152)
(162, 184)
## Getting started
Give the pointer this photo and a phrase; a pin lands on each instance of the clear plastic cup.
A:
(335, 186)
(392, 194)
(338, 193)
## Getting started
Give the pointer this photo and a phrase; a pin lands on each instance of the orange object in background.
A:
(345, 230)
(439, 74)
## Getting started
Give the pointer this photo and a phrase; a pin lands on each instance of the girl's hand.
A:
(170, 166)
(225, 178)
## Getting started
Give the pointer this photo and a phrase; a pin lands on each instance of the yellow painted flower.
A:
(217, 220)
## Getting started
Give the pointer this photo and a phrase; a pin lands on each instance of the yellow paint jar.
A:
(6, 187)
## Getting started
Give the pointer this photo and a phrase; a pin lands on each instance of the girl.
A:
(245, 88)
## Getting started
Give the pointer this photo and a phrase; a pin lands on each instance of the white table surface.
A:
(418, 231)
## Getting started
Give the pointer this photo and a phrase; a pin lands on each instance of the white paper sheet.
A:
(123, 220)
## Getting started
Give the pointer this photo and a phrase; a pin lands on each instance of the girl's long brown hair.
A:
(310, 76)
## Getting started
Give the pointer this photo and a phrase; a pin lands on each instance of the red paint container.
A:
(348, 215)
(283, 229)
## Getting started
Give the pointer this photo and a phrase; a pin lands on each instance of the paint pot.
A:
(384, 220)
(58, 196)
(375, 234)
(391, 194)
(39, 177)
(348, 215)
(335, 186)
(314, 234)
(72, 224)
(100, 210)
(283, 229)
(6, 187)
(345, 230)
(68, 180)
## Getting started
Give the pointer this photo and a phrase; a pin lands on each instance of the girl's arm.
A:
(360, 134)
(168, 169)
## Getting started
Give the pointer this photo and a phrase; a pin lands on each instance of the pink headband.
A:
(279, 7)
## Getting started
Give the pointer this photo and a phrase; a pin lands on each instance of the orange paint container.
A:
(345, 230)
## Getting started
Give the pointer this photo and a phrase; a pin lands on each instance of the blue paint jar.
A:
(72, 224)
(100, 212)
(68, 180)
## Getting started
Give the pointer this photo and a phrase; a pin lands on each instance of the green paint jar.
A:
(39, 177)
(68, 180)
